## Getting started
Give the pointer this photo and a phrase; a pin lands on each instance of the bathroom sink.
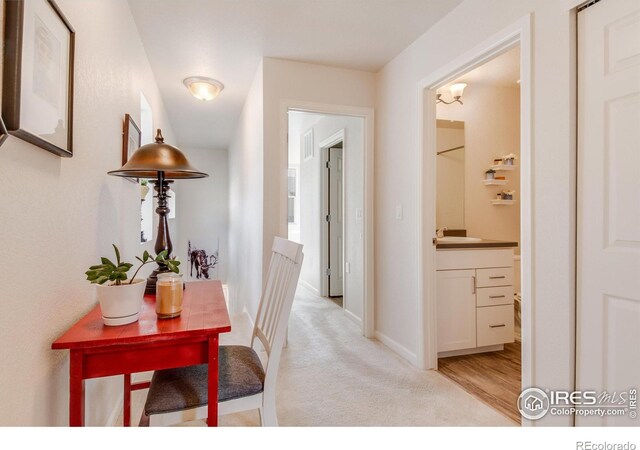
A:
(458, 239)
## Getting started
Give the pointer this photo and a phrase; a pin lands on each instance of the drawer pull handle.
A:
(496, 296)
(497, 278)
(497, 326)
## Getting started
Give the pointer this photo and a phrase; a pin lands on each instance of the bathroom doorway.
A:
(478, 231)
(476, 221)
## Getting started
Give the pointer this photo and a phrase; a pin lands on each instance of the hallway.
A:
(332, 376)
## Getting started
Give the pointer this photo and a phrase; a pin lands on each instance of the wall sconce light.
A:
(456, 92)
(203, 88)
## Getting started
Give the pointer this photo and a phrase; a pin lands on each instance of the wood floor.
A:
(494, 377)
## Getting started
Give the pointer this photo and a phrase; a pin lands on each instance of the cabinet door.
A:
(456, 309)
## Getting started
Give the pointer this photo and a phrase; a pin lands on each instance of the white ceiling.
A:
(225, 40)
(503, 70)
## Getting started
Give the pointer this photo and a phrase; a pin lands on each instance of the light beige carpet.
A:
(330, 375)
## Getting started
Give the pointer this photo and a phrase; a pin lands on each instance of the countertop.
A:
(484, 243)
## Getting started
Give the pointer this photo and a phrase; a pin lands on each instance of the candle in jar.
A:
(169, 295)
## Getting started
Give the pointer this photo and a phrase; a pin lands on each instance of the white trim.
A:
(517, 33)
(310, 288)
(367, 114)
(323, 147)
(401, 350)
(351, 316)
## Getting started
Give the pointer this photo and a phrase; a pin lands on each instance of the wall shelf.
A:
(502, 202)
(503, 167)
(494, 182)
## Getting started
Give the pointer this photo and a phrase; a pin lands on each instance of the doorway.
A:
(516, 35)
(327, 206)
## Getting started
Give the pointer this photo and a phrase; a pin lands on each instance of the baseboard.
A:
(245, 311)
(306, 285)
(351, 316)
(472, 351)
(402, 351)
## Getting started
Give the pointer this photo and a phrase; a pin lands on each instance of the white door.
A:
(608, 246)
(456, 294)
(336, 223)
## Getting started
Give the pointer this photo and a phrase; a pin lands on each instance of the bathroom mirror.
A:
(450, 174)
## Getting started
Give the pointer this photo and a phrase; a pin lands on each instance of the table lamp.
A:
(161, 163)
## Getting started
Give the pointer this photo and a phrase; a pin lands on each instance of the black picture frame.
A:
(130, 134)
(12, 102)
(4, 134)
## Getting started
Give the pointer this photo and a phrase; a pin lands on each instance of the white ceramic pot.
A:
(121, 305)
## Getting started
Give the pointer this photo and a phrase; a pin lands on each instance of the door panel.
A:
(608, 241)
(456, 309)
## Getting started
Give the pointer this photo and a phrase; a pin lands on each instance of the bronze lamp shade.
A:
(150, 159)
(160, 163)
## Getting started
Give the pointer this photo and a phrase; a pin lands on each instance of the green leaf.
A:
(117, 253)
(107, 262)
(100, 266)
(139, 259)
(101, 280)
(162, 255)
(145, 256)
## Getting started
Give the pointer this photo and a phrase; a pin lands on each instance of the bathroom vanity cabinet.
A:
(474, 300)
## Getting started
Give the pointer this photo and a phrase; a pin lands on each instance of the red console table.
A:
(150, 343)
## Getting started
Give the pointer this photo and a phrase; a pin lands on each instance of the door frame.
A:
(518, 33)
(367, 114)
(324, 147)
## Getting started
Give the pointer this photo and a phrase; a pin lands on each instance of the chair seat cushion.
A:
(240, 375)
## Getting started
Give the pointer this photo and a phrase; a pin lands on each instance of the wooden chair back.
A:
(277, 299)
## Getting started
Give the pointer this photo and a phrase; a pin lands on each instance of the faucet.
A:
(440, 232)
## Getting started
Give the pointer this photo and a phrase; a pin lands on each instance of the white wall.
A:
(397, 128)
(246, 202)
(58, 216)
(311, 208)
(491, 116)
(299, 124)
(202, 207)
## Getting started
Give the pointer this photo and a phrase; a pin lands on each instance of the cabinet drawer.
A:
(500, 276)
(492, 296)
(494, 325)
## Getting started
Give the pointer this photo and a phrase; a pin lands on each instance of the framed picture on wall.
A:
(37, 85)
(131, 137)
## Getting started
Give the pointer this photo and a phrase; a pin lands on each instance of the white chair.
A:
(180, 395)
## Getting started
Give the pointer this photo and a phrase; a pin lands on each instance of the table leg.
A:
(212, 412)
(76, 389)
(126, 416)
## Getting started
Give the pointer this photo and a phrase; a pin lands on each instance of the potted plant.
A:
(490, 174)
(509, 159)
(120, 301)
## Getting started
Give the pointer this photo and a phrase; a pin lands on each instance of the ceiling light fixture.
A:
(203, 88)
(456, 92)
